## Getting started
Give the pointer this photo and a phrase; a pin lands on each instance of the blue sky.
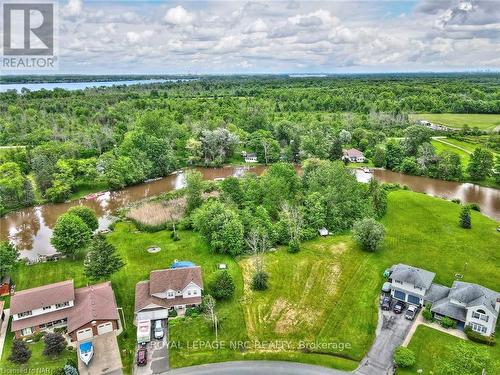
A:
(278, 36)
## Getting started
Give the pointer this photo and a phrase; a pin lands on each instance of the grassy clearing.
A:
(325, 296)
(440, 147)
(459, 120)
(38, 363)
(156, 213)
(431, 346)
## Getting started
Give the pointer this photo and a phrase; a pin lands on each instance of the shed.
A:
(5, 285)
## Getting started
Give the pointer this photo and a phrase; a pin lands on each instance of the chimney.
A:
(497, 305)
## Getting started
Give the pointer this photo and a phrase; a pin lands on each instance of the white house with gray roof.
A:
(468, 304)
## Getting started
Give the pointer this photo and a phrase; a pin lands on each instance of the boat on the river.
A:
(86, 352)
(94, 195)
(153, 179)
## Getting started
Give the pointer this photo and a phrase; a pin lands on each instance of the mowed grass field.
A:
(459, 120)
(324, 297)
(432, 346)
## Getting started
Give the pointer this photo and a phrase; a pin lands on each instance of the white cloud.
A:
(73, 8)
(179, 16)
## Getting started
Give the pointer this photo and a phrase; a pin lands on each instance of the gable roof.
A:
(412, 275)
(175, 279)
(353, 153)
(143, 299)
(47, 295)
(94, 302)
(474, 295)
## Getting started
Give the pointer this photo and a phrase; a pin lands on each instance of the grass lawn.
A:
(312, 294)
(440, 147)
(431, 346)
(38, 363)
(459, 120)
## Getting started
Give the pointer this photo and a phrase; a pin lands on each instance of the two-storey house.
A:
(168, 289)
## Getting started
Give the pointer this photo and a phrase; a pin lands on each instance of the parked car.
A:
(386, 303)
(142, 356)
(399, 307)
(158, 330)
(411, 313)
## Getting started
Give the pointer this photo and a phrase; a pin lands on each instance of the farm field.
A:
(312, 293)
(432, 346)
(459, 120)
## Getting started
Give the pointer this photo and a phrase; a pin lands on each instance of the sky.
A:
(290, 36)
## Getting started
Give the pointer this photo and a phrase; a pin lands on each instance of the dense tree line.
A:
(124, 135)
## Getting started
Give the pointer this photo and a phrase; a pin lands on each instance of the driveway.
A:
(256, 368)
(391, 331)
(157, 358)
(106, 359)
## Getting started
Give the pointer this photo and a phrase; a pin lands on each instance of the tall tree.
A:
(8, 257)
(86, 214)
(101, 261)
(55, 344)
(194, 190)
(368, 233)
(70, 235)
(20, 353)
(480, 164)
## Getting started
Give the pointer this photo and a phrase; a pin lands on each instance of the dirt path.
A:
(451, 144)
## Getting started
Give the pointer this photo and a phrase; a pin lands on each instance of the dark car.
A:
(386, 303)
(399, 307)
(142, 356)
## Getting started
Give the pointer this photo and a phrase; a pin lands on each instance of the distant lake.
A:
(78, 85)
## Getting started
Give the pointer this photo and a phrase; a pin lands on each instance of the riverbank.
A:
(302, 303)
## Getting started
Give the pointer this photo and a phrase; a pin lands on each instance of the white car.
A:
(158, 330)
(411, 312)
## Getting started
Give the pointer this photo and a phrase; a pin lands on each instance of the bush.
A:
(477, 337)
(19, 352)
(259, 280)
(192, 311)
(426, 313)
(293, 246)
(54, 344)
(368, 233)
(456, 200)
(37, 336)
(87, 215)
(222, 286)
(475, 207)
(172, 313)
(404, 357)
(465, 220)
(70, 370)
(446, 322)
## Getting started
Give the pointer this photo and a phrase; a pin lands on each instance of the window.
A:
(189, 292)
(47, 308)
(398, 282)
(170, 294)
(23, 314)
(60, 305)
(26, 331)
(478, 328)
(480, 314)
(195, 292)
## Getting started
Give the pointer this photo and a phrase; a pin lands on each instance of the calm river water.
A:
(31, 228)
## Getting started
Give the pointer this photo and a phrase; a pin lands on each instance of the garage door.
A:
(400, 295)
(413, 299)
(104, 328)
(84, 334)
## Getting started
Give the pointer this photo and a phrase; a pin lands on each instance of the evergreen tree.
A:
(54, 344)
(222, 286)
(19, 353)
(465, 219)
(102, 260)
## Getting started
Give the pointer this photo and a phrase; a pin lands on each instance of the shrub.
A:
(368, 233)
(293, 246)
(426, 313)
(87, 215)
(477, 337)
(222, 286)
(59, 371)
(475, 207)
(192, 311)
(19, 352)
(37, 336)
(456, 200)
(447, 323)
(404, 357)
(259, 280)
(465, 220)
(70, 370)
(172, 313)
(54, 344)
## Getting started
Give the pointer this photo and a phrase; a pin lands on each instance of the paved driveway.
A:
(106, 359)
(256, 368)
(157, 358)
(391, 332)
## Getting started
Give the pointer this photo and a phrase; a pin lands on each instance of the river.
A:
(31, 228)
(71, 86)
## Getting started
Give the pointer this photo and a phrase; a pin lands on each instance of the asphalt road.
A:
(256, 368)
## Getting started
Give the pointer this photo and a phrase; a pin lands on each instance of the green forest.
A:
(58, 145)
